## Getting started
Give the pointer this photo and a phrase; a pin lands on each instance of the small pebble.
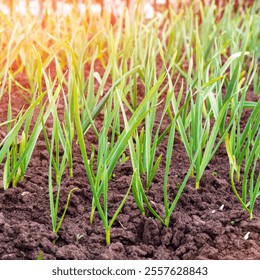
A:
(246, 236)
(221, 207)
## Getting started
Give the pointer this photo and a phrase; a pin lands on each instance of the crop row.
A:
(196, 71)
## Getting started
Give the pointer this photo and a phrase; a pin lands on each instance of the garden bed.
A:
(208, 223)
(90, 110)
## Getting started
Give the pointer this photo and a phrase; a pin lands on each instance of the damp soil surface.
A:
(207, 223)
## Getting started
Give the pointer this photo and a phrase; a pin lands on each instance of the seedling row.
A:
(197, 70)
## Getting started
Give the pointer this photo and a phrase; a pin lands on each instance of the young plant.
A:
(106, 161)
(59, 170)
(57, 162)
(18, 150)
(138, 189)
(195, 126)
(244, 149)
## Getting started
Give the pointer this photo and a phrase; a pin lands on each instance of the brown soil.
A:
(208, 223)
